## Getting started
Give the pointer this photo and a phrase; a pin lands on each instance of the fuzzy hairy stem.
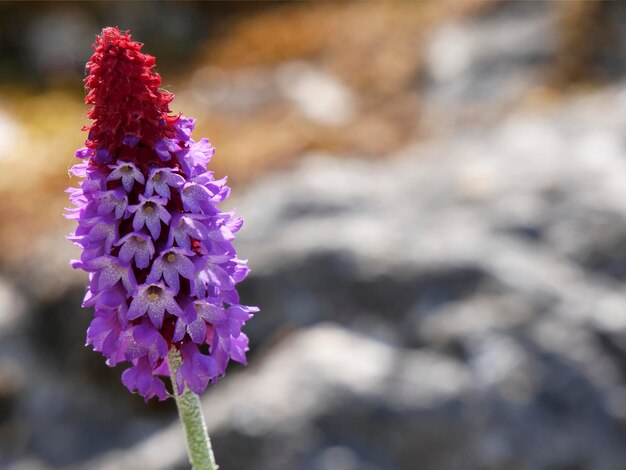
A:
(190, 412)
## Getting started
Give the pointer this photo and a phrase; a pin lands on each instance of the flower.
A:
(158, 250)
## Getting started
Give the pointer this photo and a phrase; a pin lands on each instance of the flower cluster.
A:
(162, 267)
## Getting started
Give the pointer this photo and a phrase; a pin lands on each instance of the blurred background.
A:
(435, 205)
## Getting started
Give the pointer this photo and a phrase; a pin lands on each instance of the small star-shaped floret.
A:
(210, 274)
(220, 236)
(155, 299)
(194, 321)
(128, 173)
(195, 159)
(131, 140)
(163, 148)
(104, 230)
(202, 193)
(103, 156)
(186, 226)
(160, 180)
(103, 334)
(140, 378)
(184, 128)
(150, 212)
(143, 339)
(197, 198)
(197, 369)
(170, 264)
(115, 201)
(108, 271)
(84, 152)
(136, 245)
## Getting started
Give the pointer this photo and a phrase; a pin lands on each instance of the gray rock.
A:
(494, 249)
(476, 68)
(318, 95)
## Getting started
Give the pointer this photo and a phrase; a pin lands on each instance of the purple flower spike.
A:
(128, 173)
(158, 250)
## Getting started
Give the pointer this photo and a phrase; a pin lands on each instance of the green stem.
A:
(190, 412)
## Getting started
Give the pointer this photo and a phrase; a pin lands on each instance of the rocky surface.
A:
(476, 67)
(501, 250)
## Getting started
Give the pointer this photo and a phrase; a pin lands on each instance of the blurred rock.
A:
(319, 96)
(501, 249)
(10, 132)
(492, 58)
(12, 306)
(476, 67)
(55, 41)
(246, 91)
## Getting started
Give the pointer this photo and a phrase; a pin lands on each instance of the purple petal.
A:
(140, 378)
(138, 307)
(163, 148)
(196, 198)
(103, 156)
(184, 128)
(84, 152)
